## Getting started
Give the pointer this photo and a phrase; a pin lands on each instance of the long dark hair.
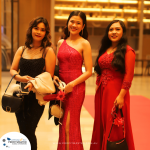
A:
(83, 17)
(119, 55)
(46, 40)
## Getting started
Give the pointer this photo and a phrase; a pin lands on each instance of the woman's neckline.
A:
(33, 58)
(73, 48)
(112, 51)
(109, 53)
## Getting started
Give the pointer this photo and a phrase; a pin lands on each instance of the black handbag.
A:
(120, 144)
(11, 103)
(55, 103)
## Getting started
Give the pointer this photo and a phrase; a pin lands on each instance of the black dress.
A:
(31, 112)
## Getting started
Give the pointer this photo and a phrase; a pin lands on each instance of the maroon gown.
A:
(70, 68)
(110, 82)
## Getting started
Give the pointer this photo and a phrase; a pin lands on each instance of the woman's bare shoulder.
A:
(20, 50)
(49, 51)
(49, 48)
(60, 42)
(85, 43)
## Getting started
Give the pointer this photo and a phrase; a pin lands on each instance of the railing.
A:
(143, 67)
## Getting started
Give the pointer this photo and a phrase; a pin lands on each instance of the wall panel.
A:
(29, 9)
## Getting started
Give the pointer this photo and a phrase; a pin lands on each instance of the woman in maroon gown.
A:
(72, 51)
(115, 69)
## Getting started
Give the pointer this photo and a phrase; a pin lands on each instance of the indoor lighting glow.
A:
(102, 1)
(96, 0)
(77, 8)
(61, 17)
(123, 2)
(102, 19)
(95, 9)
(111, 10)
(131, 20)
(89, 18)
(147, 2)
(99, 19)
(71, 0)
(130, 11)
(146, 20)
(147, 11)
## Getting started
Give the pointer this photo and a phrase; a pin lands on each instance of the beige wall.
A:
(8, 19)
(29, 9)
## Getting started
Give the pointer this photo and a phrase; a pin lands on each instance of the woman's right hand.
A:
(24, 78)
(56, 80)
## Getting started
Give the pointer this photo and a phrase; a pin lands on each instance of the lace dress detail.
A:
(108, 72)
(70, 68)
(126, 85)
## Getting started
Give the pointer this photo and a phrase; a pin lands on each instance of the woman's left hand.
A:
(69, 88)
(119, 101)
(29, 86)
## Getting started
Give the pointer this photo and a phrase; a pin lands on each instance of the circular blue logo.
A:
(14, 141)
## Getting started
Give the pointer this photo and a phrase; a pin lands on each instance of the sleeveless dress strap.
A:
(43, 56)
(44, 52)
(23, 50)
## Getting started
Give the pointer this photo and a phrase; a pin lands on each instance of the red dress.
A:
(70, 68)
(110, 83)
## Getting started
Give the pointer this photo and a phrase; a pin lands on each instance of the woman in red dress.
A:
(115, 69)
(72, 51)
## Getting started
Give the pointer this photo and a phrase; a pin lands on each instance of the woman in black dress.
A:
(29, 61)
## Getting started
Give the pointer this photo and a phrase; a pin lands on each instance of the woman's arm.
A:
(129, 73)
(120, 98)
(58, 46)
(15, 66)
(50, 61)
(87, 55)
(57, 62)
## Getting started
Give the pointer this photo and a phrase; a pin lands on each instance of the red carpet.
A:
(140, 119)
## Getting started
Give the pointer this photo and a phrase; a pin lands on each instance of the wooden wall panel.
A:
(146, 46)
(29, 9)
